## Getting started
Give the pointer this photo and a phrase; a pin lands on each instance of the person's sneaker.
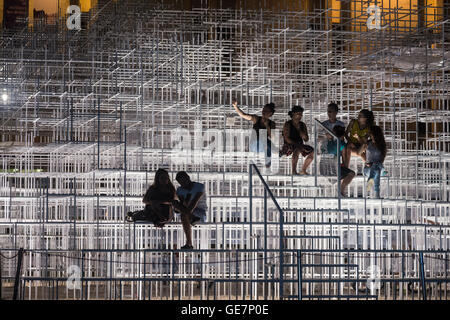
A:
(187, 247)
(384, 173)
(369, 185)
(195, 220)
(377, 195)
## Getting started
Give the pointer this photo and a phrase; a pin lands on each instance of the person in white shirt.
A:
(332, 121)
(328, 144)
(192, 204)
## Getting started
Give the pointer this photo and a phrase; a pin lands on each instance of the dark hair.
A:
(181, 174)
(339, 131)
(156, 184)
(379, 142)
(368, 115)
(294, 110)
(271, 106)
(334, 106)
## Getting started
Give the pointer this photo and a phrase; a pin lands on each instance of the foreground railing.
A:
(228, 274)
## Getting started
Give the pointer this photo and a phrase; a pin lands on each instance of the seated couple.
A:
(161, 200)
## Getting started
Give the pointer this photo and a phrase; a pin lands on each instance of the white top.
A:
(196, 188)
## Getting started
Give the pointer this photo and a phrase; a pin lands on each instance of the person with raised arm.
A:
(262, 122)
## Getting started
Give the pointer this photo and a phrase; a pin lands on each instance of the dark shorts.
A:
(345, 172)
(289, 149)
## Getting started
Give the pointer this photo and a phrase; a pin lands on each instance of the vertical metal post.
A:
(265, 240)
(281, 253)
(265, 223)
(74, 213)
(299, 274)
(71, 119)
(120, 122)
(339, 172)
(315, 153)
(98, 134)
(18, 270)
(250, 195)
(125, 178)
(1, 280)
(422, 276)
(47, 186)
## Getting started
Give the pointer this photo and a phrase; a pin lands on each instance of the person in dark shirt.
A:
(262, 122)
(295, 134)
(158, 200)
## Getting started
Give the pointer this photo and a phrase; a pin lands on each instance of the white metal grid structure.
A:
(90, 115)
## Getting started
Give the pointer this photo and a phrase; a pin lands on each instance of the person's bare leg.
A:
(352, 152)
(295, 155)
(307, 162)
(348, 155)
(344, 155)
(187, 228)
(346, 182)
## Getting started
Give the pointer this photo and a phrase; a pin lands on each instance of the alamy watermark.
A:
(373, 281)
(374, 20)
(225, 146)
(74, 19)
(74, 275)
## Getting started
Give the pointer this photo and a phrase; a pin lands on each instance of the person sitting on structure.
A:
(327, 162)
(356, 134)
(376, 151)
(295, 134)
(191, 205)
(347, 175)
(158, 200)
(262, 122)
(332, 111)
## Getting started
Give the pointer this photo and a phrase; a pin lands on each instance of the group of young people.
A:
(360, 138)
(161, 200)
(295, 135)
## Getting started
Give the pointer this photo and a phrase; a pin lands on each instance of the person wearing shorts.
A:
(262, 122)
(295, 134)
(191, 205)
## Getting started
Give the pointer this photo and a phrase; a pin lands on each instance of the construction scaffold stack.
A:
(87, 117)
